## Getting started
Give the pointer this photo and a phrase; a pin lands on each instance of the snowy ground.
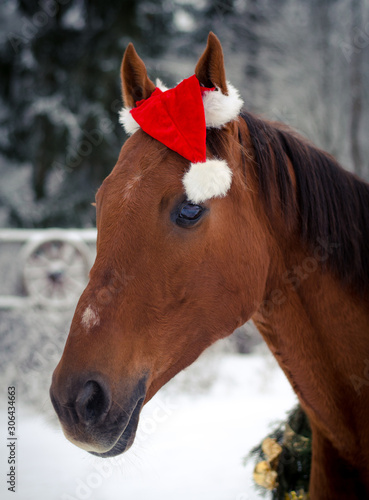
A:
(191, 441)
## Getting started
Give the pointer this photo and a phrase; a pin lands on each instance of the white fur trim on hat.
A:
(125, 117)
(129, 123)
(161, 85)
(220, 108)
(207, 180)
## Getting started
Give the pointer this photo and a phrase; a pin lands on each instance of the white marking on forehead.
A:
(90, 318)
(131, 185)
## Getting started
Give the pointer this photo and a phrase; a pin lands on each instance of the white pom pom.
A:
(207, 180)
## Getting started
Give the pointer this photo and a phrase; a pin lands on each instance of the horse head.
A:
(182, 261)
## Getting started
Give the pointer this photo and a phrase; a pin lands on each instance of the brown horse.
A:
(287, 245)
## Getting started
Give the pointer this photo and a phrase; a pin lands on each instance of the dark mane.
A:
(333, 204)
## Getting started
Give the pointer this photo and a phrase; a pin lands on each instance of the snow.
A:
(184, 21)
(74, 18)
(191, 441)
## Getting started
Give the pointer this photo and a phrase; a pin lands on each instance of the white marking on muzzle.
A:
(90, 318)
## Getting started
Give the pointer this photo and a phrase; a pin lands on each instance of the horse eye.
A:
(188, 214)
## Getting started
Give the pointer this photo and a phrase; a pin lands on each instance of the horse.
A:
(285, 244)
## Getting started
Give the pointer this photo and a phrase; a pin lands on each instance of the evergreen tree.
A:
(59, 97)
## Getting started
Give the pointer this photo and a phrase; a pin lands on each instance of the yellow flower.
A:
(271, 449)
(265, 476)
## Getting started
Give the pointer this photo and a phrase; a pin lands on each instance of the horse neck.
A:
(318, 331)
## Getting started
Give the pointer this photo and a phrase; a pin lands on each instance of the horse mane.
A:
(332, 203)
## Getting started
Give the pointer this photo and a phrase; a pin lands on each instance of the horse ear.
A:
(210, 69)
(136, 85)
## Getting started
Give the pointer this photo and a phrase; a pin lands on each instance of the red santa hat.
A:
(178, 118)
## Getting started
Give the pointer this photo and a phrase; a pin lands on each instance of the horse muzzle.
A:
(95, 419)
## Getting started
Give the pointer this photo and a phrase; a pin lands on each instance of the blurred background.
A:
(303, 63)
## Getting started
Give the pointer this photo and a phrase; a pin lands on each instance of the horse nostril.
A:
(92, 403)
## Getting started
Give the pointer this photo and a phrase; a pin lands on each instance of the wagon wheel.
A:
(56, 270)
